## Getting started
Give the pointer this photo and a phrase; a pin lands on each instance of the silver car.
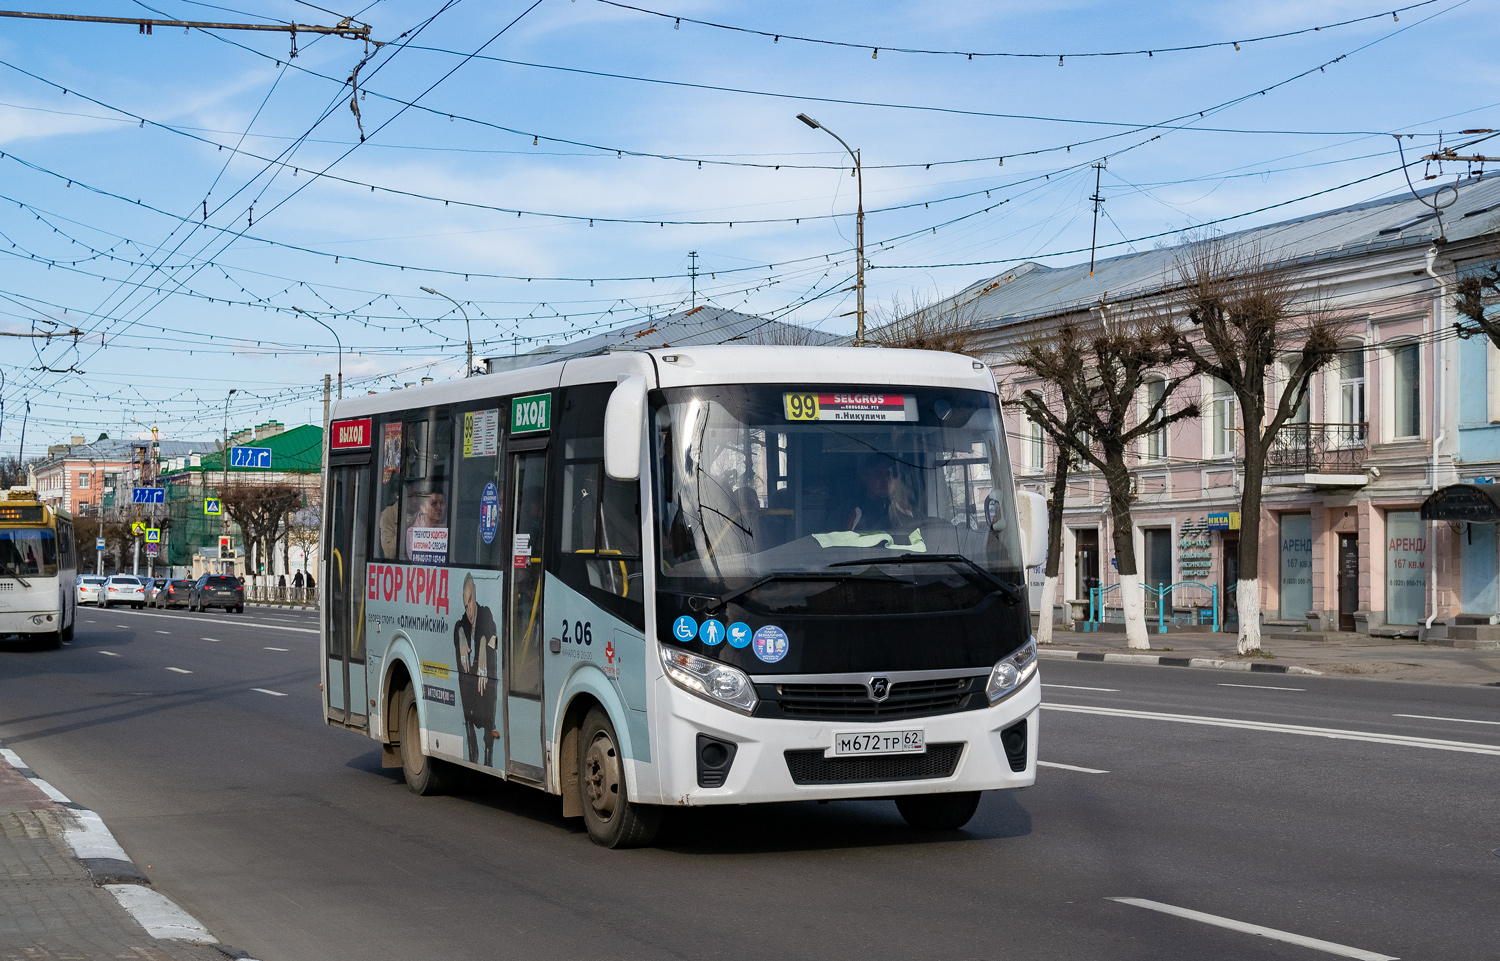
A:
(124, 589)
(90, 588)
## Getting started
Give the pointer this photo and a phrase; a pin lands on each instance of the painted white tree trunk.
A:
(1044, 618)
(1247, 603)
(1133, 600)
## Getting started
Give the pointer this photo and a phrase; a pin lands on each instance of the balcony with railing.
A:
(1325, 455)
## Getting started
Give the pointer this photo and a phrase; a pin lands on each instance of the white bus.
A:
(38, 565)
(712, 575)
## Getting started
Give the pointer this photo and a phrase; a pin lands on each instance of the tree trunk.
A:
(1247, 599)
(1132, 599)
(1055, 506)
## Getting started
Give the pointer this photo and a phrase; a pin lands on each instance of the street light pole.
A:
(223, 514)
(859, 227)
(468, 340)
(336, 340)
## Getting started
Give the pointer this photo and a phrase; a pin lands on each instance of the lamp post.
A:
(859, 226)
(468, 340)
(223, 514)
(336, 340)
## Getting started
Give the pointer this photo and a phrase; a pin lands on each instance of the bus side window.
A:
(474, 538)
(599, 520)
(388, 464)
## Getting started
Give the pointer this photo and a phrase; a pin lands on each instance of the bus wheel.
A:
(52, 640)
(67, 632)
(613, 820)
(938, 812)
(423, 774)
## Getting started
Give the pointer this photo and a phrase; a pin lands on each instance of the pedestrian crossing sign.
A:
(138, 528)
(211, 506)
(153, 535)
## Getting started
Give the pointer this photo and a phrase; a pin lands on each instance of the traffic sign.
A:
(98, 543)
(250, 457)
(148, 495)
(151, 550)
(153, 535)
(211, 505)
(138, 528)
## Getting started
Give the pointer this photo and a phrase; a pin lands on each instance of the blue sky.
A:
(591, 119)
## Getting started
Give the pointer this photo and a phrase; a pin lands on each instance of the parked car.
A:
(150, 584)
(124, 589)
(90, 588)
(217, 590)
(173, 593)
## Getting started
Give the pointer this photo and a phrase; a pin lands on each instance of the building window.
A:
(1405, 568)
(1352, 415)
(1406, 390)
(1222, 420)
(1035, 456)
(1296, 566)
(83, 481)
(1156, 441)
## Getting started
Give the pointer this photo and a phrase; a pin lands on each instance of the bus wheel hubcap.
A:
(601, 776)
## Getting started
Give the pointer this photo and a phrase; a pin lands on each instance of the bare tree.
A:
(946, 324)
(303, 531)
(1471, 294)
(1246, 314)
(1062, 467)
(1098, 375)
(259, 510)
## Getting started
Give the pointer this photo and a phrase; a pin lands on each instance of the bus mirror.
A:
(624, 422)
(1031, 513)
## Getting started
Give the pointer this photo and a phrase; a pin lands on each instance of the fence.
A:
(266, 589)
(1165, 594)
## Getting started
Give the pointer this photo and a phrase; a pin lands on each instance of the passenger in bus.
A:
(476, 647)
(882, 501)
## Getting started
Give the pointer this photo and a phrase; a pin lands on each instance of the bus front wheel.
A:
(423, 774)
(938, 812)
(613, 820)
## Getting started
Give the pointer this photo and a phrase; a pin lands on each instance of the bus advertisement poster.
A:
(427, 545)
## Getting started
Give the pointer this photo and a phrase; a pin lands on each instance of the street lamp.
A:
(468, 340)
(336, 340)
(859, 221)
(223, 514)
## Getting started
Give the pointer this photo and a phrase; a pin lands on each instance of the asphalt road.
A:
(290, 841)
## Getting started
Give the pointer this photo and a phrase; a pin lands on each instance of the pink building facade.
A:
(1343, 545)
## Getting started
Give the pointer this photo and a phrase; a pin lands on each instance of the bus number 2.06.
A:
(582, 632)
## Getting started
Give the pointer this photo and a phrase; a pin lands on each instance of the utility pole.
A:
(859, 222)
(693, 273)
(1098, 199)
(345, 27)
(224, 514)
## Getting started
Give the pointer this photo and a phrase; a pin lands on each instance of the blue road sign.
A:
(148, 495)
(98, 543)
(250, 457)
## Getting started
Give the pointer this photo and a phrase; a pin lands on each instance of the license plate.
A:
(860, 743)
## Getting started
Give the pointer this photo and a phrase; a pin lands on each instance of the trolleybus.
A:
(38, 564)
(710, 575)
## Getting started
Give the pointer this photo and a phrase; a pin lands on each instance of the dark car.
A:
(173, 593)
(217, 590)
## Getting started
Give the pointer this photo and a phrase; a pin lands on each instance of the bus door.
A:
(526, 481)
(344, 577)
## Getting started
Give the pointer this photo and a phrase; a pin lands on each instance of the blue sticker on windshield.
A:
(712, 632)
(739, 634)
(489, 513)
(684, 629)
(770, 644)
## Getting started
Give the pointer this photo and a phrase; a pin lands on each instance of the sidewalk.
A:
(1350, 655)
(58, 903)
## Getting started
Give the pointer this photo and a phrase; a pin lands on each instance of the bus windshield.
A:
(28, 552)
(755, 481)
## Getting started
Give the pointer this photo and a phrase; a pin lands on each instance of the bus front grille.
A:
(811, 767)
(852, 701)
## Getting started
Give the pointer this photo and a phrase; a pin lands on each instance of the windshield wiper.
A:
(12, 572)
(1013, 594)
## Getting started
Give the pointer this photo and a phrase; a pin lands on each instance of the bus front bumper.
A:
(29, 622)
(783, 760)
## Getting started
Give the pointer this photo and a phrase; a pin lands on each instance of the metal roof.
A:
(126, 450)
(687, 328)
(1034, 290)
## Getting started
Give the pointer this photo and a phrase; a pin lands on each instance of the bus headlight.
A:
(1012, 672)
(710, 680)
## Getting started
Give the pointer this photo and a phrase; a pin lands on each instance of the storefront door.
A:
(1348, 580)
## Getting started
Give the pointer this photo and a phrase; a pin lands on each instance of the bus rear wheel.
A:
(613, 820)
(938, 812)
(424, 775)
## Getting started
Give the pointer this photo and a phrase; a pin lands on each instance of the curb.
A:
(110, 868)
(1155, 660)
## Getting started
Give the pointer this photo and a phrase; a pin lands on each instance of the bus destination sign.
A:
(532, 413)
(831, 406)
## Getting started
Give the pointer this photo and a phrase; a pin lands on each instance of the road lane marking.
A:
(281, 649)
(109, 653)
(1264, 687)
(262, 690)
(1069, 767)
(1244, 927)
(1075, 687)
(163, 632)
(214, 639)
(1339, 734)
(1461, 720)
(89, 620)
(179, 670)
(247, 623)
